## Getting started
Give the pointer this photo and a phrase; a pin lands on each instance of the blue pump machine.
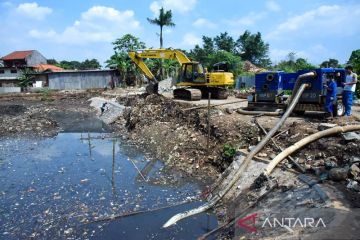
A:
(272, 89)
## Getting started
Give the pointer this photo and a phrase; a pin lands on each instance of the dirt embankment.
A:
(31, 116)
(179, 136)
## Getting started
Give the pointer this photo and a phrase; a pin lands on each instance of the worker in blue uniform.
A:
(331, 90)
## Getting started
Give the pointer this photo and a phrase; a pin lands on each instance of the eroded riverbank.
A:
(64, 185)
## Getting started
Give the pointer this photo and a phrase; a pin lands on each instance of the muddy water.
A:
(56, 188)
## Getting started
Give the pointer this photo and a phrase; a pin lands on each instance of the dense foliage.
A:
(26, 77)
(293, 64)
(354, 61)
(223, 47)
(88, 64)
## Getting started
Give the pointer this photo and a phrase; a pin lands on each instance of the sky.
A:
(76, 30)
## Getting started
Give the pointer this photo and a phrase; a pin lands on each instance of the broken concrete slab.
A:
(349, 136)
(112, 112)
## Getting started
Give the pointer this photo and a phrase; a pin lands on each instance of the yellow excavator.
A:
(194, 82)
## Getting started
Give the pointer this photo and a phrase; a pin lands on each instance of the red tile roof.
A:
(46, 67)
(17, 55)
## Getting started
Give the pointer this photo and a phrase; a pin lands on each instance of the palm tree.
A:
(164, 20)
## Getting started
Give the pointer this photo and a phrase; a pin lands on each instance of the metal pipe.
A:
(298, 83)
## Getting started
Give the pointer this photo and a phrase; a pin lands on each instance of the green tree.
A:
(90, 64)
(354, 61)
(293, 64)
(127, 43)
(164, 20)
(52, 61)
(208, 45)
(170, 67)
(213, 52)
(201, 54)
(334, 63)
(120, 59)
(224, 42)
(234, 62)
(251, 47)
(302, 63)
(26, 77)
(69, 65)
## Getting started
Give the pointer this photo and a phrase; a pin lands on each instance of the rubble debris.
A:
(353, 185)
(349, 136)
(338, 174)
(354, 171)
(168, 131)
(36, 118)
(171, 132)
(324, 126)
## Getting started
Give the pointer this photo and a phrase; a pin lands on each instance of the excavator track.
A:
(191, 94)
(216, 92)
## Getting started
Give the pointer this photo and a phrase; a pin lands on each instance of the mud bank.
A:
(180, 136)
(22, 116)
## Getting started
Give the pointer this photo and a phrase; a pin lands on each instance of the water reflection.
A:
(53, 188)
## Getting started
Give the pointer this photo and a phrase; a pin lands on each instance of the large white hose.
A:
(303, 142)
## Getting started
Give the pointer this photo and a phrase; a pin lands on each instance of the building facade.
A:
(82, 79)
(15, 62)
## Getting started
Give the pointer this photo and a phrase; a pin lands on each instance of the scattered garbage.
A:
(74, 188)
(338, 174)
(64, 195)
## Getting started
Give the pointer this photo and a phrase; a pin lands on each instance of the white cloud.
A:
(33, 10)
(97, 24)
(326, 20)
(181, 6)
(204, 23)
(273, 6)
(247, 20)
(191, 40)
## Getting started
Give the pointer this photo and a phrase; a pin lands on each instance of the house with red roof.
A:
(15, 62)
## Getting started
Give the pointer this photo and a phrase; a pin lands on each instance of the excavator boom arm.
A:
(141, 64)
(138, 58)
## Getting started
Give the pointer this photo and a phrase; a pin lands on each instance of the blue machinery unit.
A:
(272, 89)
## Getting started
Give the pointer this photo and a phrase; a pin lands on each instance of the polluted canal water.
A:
(71, 185)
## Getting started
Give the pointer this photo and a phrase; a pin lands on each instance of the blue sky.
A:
(76, 30)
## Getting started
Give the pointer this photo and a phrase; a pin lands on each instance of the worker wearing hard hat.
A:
(349, 89)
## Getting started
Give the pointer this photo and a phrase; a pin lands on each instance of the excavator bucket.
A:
(152, 88)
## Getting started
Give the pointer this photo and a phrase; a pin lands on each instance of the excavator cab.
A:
(221, 67)
(192, 72)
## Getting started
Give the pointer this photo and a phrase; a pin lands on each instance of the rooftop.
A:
(47, 67)
(17, 55)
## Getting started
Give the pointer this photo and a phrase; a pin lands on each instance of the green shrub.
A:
(229, 151)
